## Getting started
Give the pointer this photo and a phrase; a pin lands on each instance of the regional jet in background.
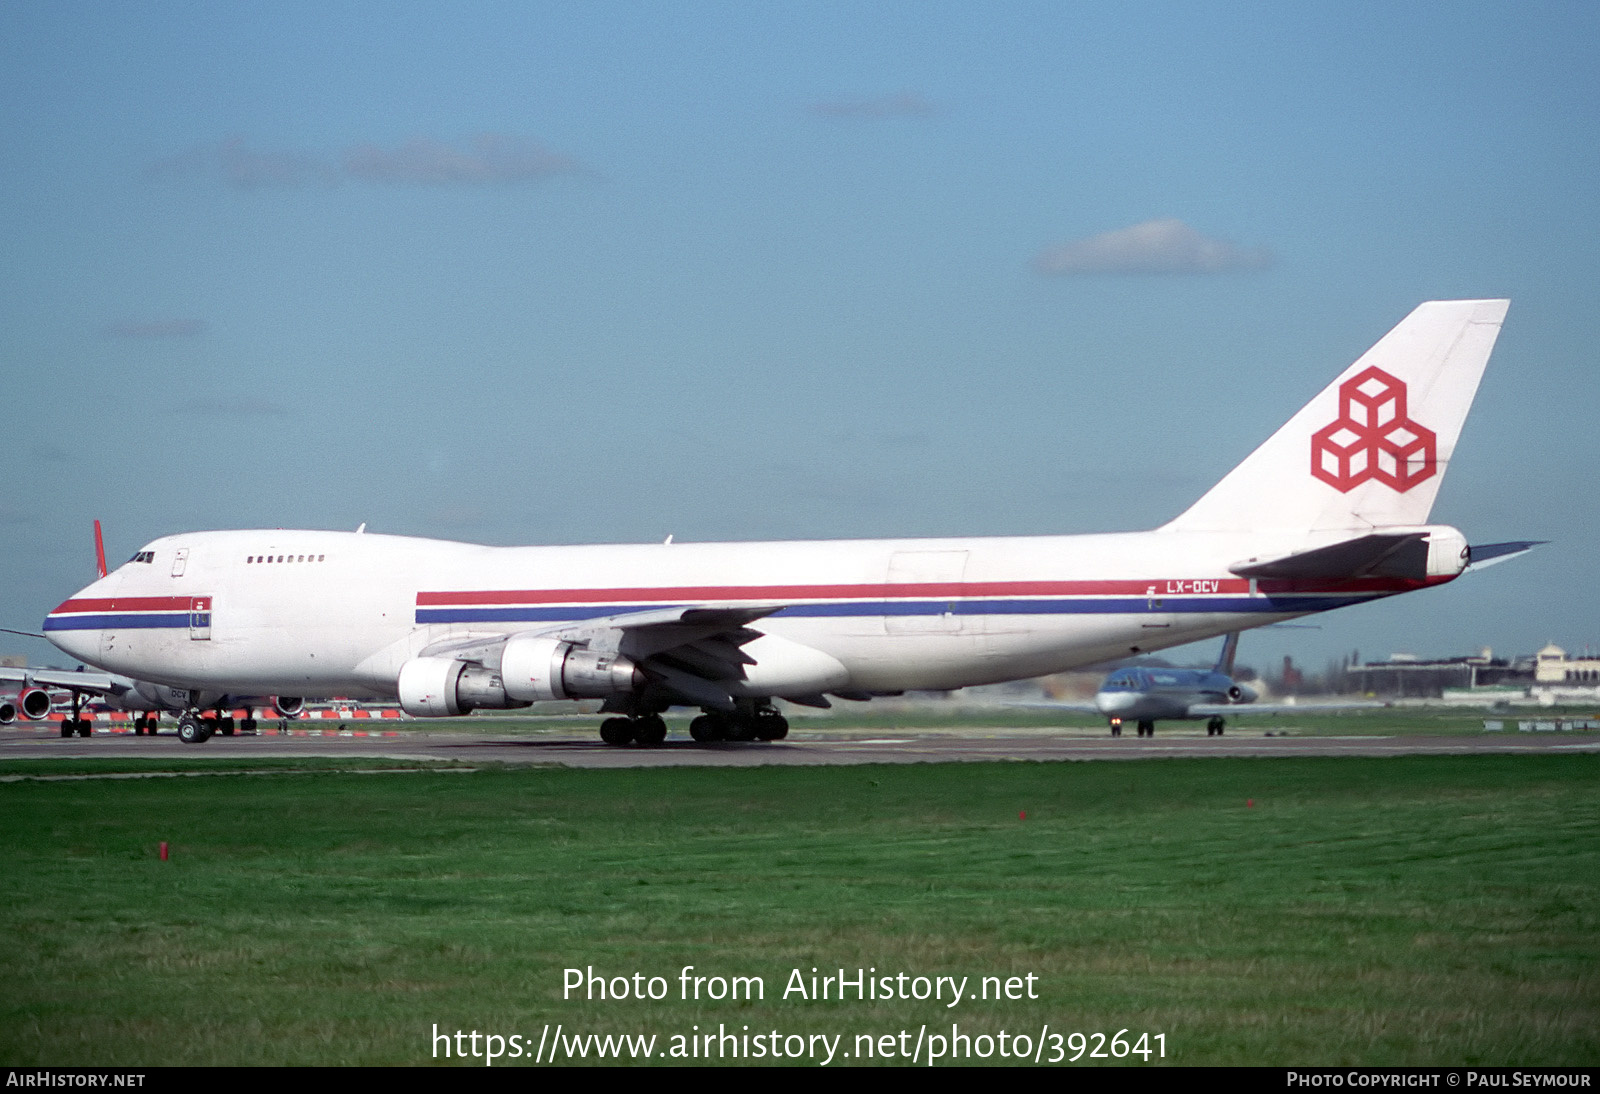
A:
(1146, 694)
(1329, 512)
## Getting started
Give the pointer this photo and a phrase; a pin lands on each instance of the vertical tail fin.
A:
(99, 553)
(1230, 647)
(1371, 449)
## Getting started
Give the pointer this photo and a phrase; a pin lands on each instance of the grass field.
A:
(1430, 910)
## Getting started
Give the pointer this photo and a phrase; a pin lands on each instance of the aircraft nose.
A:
(1114, 702)
(73, 626)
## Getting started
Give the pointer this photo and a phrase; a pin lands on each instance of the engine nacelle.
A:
(442, 687)
(541, 669)
(8, 709)
(33, 703)
(288, 706)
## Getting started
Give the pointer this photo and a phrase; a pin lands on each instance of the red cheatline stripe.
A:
(696, 593)
(133, 604)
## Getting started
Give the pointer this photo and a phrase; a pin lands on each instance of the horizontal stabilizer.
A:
(1381, 554)
(1484, 555)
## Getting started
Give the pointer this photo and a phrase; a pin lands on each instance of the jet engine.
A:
(531, 670)
(441, 687)
(30, 704)
(288, 706)
(536, 669)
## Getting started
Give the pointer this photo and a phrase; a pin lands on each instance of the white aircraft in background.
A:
(1331, 511)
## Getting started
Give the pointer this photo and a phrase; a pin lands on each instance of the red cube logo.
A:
(1373, 438)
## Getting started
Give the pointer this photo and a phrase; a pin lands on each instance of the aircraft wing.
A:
(1084, 707)
(688, 651)
(89, 683)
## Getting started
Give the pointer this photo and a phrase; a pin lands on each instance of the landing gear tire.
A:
(771, 726)
(225, 726)
(651, 730)
(739, 729)
(1116, 728)
(616, 731)
(1214, 727)
(67, 728)
(706, 728)
(193, 730)
(138, 726)
(247, 726)
(85, 727)
(1147, 729)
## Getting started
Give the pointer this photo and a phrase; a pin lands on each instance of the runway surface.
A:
(568, 748)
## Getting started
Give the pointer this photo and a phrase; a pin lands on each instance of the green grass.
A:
(1428, 910)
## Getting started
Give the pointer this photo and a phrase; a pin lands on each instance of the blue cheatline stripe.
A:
(859, 608)
(118, 622)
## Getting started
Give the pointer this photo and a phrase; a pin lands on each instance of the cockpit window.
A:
(144, 556)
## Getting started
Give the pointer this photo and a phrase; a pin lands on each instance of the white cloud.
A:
(1166, 246)
(485, 158)
(243, 168)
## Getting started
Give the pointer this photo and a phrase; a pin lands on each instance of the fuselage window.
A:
(321, 557)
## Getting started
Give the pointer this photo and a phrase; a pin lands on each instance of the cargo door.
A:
(923, 592)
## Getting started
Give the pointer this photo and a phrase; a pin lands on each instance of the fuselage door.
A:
(200, 618)
(924, 591)
(179, 561)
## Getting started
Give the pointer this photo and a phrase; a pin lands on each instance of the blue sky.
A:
(603, 272)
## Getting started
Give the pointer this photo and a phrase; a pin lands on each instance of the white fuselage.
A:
(342, 612)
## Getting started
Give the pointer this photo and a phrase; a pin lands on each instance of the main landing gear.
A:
(762, 723)
(1215, 726)
(647, 729)
(1147, 729)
